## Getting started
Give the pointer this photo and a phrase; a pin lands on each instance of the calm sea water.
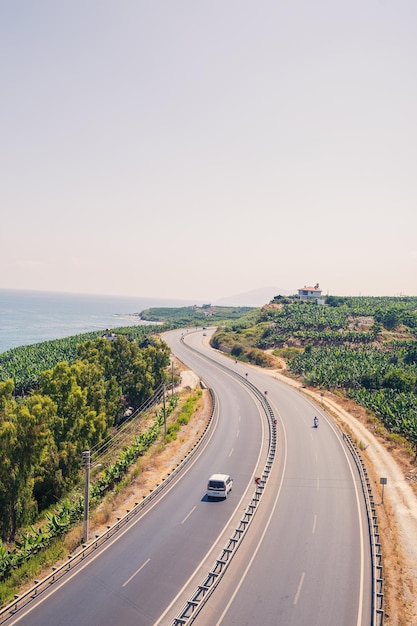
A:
(28, 317)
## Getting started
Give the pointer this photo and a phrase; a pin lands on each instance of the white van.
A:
(219, 485)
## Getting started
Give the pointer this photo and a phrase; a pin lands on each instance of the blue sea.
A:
(28, 317)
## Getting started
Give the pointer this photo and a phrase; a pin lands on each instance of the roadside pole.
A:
(383, 481)
(165, 414)
(87, 465)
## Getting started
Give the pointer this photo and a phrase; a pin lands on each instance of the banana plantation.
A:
(25, 363)
(364, 347)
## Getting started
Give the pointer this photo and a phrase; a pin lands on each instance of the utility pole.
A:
(165, 414)
(87, 465)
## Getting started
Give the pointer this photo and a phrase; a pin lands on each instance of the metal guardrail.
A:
(376, 553)
(74, 559)
(373, 529)
(203, 591)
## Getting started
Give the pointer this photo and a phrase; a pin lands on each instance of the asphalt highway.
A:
(157, 558)
(305, 560)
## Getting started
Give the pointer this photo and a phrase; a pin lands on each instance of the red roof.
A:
(309, 289)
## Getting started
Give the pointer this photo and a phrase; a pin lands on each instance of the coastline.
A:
(28, 318)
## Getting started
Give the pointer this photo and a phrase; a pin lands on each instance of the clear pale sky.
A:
(198, 149)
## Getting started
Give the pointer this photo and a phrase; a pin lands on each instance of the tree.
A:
(390, 318)
(137, 370)
(77, 425)
(410, 356)
(400, 380)
(43, 435)
(24, 440)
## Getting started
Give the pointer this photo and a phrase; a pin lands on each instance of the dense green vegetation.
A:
(193, 315)
(58, 398)
(62, 397)
(366, 347)
(72, 408)
(241, 338)
(25, 363)
(70, 510)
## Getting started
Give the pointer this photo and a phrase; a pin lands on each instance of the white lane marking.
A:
(318, 484)
(231, 452)
(261, 539)
(188, 515)
(300, 584)
(362, 554)
(204, 559)
(237, 434)
(135, 573)
(314, 525)
(362, 565)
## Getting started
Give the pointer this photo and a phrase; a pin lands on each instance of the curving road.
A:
(309, 561)
(158, 558)
(305, 559)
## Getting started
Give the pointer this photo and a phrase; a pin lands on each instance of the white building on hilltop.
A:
(311, 294)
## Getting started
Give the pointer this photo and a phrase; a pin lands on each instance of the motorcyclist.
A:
(316, 421)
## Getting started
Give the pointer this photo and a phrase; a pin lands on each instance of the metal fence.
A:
(376, 552)
(205, 588)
